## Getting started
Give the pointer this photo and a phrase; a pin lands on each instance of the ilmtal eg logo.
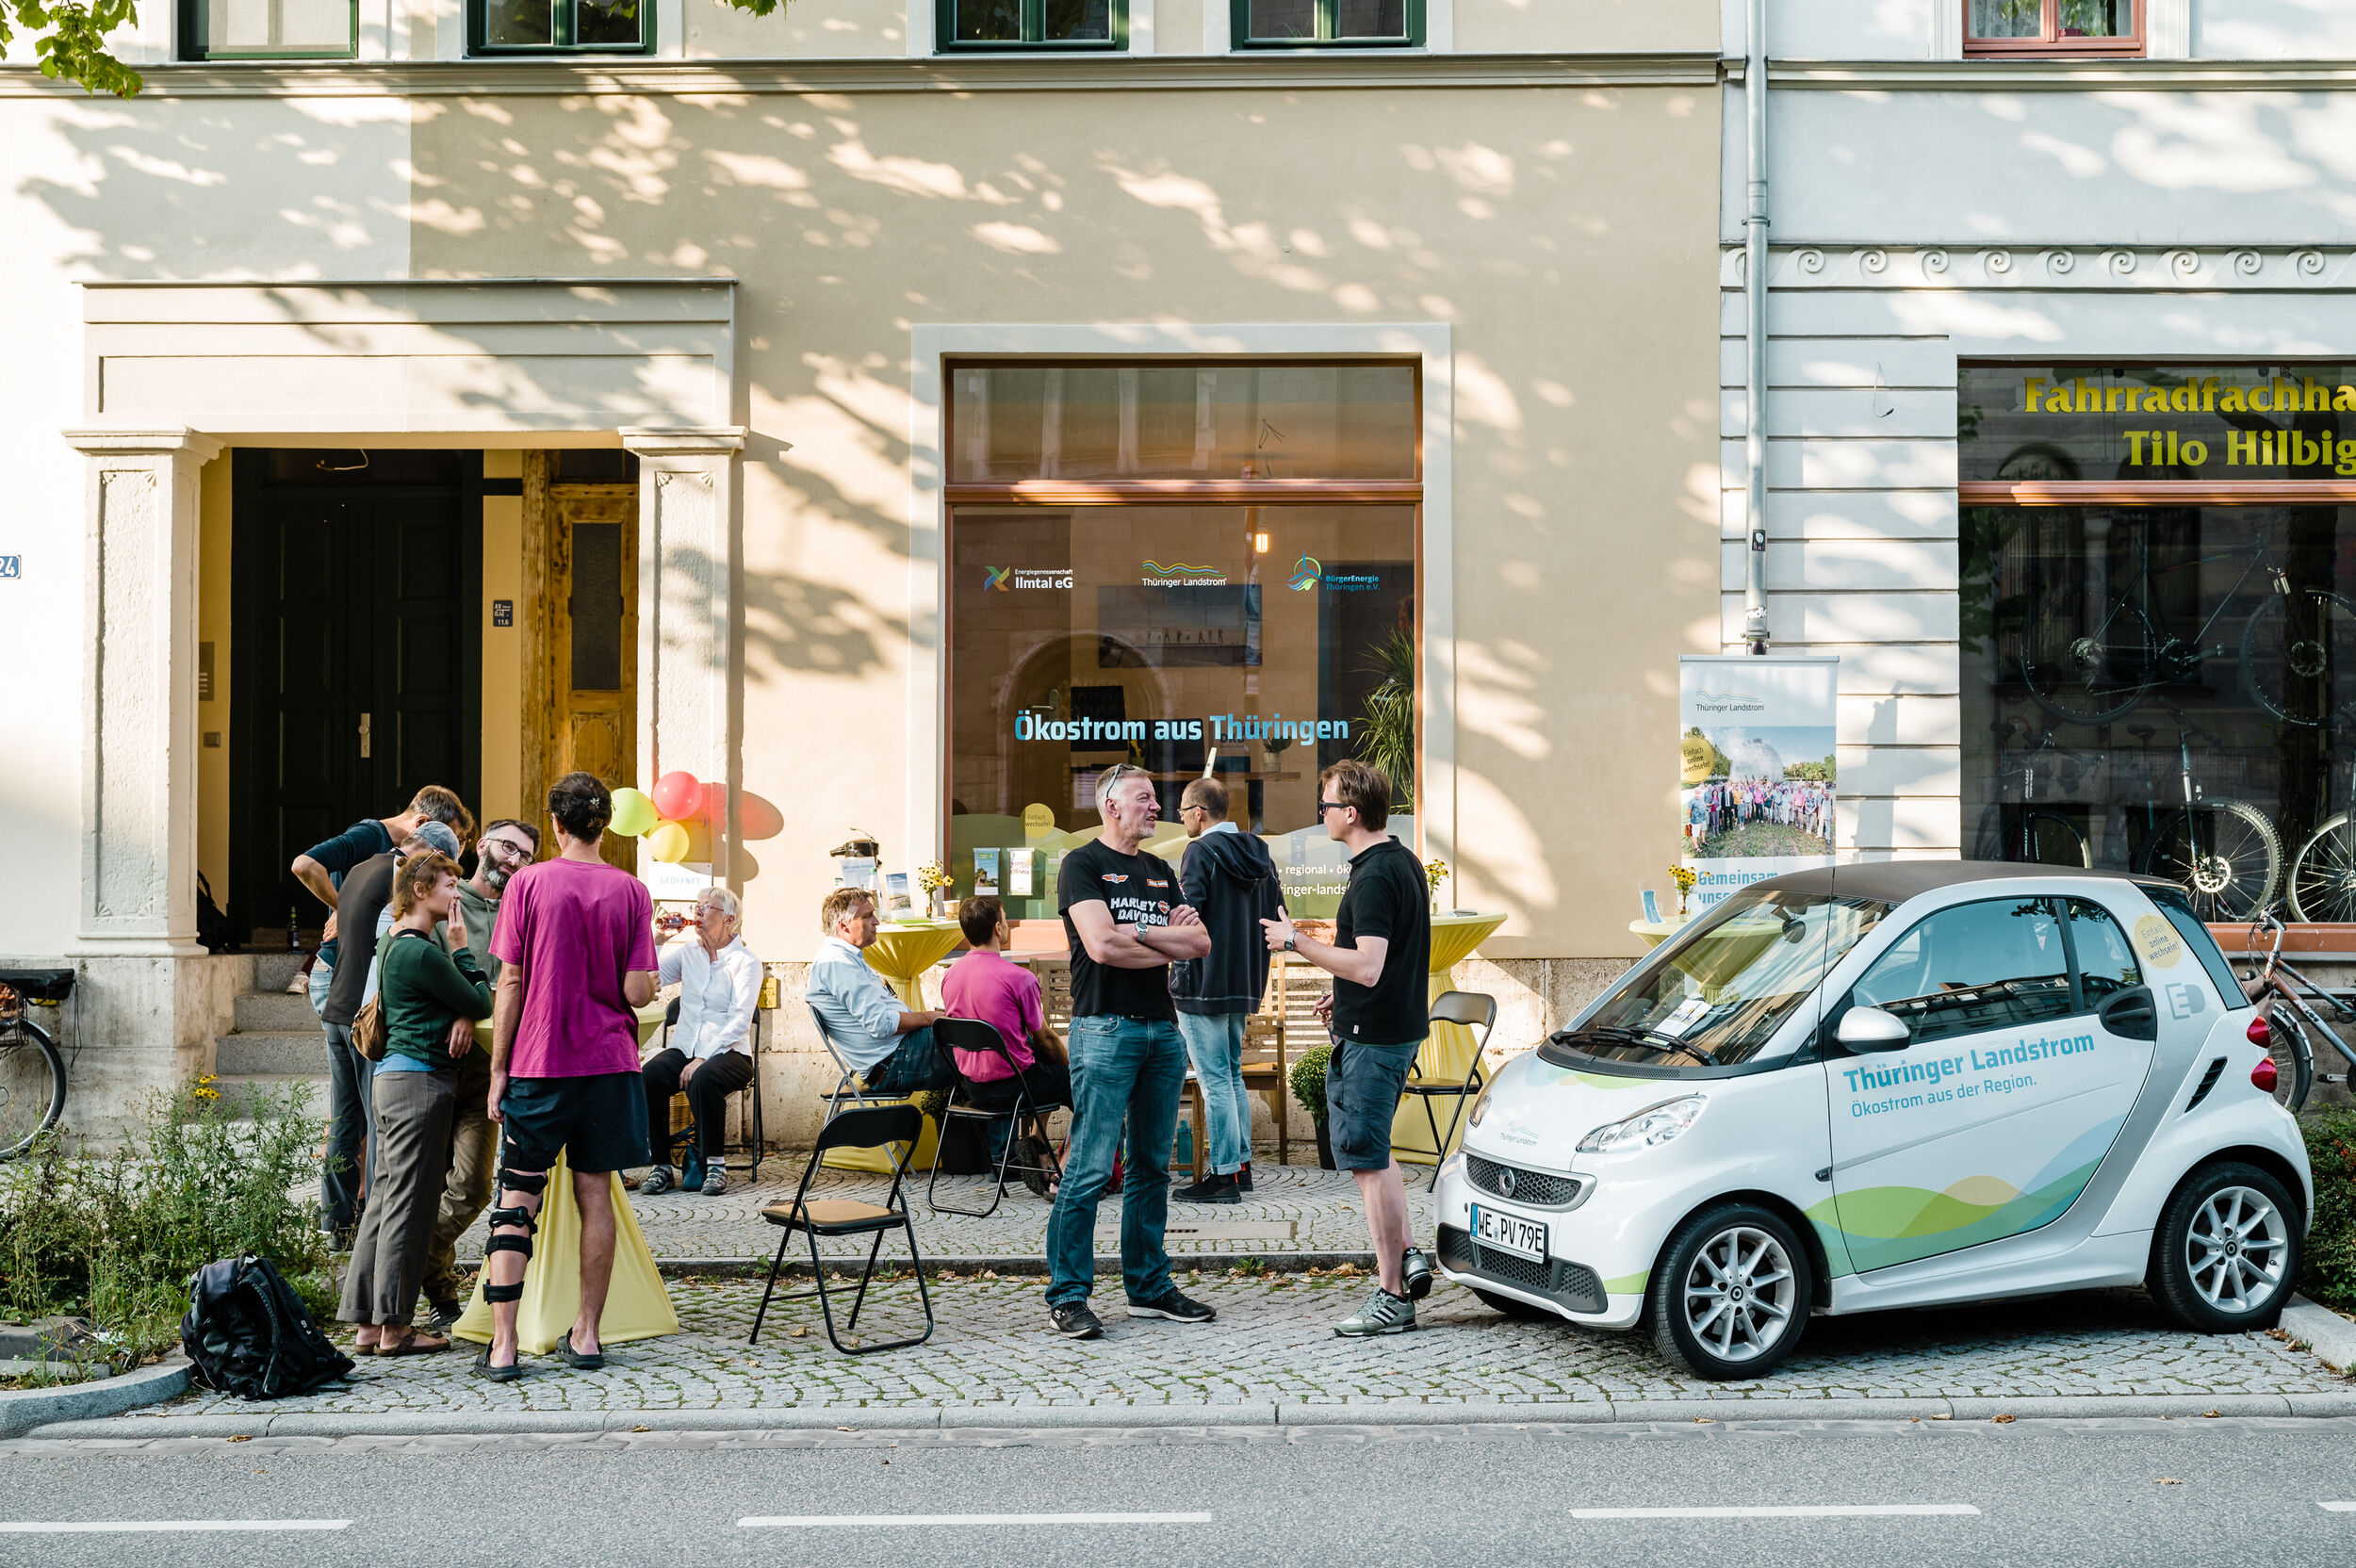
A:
(995, 577)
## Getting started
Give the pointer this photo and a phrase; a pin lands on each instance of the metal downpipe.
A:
(1755, 331)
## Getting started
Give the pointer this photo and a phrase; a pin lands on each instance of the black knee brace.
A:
(519, 1216)
(517, 1181)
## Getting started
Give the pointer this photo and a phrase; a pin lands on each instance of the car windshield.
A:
(1716, 995)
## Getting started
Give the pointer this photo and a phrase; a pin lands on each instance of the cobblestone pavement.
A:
(1291, 1209)
(1273, 1342)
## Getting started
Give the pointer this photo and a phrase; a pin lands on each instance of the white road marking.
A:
(2337, 1507)
(886, 1521)
(1788, 1510)
(155, 1526)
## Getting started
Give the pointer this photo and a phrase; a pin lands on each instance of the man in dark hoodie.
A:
(1231, 882)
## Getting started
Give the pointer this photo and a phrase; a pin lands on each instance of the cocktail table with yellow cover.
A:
(902, 952)
(636, 1305)
(1449, 1050)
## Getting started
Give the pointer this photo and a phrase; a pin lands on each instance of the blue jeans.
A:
(349, 1079)
(1124, 1072)
(913, 1065)
(1215, 1042)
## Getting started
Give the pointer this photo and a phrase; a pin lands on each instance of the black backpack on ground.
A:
(213, 929)
(248, 1333)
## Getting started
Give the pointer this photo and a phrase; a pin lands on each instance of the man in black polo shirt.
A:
(1377, 1013)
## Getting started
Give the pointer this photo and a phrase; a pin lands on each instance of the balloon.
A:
(679, 796)
(668, 843)
(633, 813)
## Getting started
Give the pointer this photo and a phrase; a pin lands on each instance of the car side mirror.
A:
(1866, 1030)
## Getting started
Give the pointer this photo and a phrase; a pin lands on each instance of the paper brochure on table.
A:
(1757, 775)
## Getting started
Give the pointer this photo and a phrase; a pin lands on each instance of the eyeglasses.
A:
(1325, 806)
(506, 849)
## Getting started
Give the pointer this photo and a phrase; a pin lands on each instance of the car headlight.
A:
(1646, 1129)
(1480, 1103)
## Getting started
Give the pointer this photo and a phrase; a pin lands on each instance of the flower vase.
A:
(940, 904)
(1681, 897)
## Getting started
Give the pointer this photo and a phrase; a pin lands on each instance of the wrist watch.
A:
(1288, 941)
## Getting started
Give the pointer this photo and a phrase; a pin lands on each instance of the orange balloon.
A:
(678, 795)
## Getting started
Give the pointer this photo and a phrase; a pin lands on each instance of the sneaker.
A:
(1074, 1321)
(1415, 1273)
(1211, 1190)
(301, 984)
(717, 1181)
(1383, 1314)
(1031, 1155)
(1170, 1304)
(658, 1180)
(444, 1316)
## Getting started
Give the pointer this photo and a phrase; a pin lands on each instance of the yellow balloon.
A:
(633, 813)
(668, 842)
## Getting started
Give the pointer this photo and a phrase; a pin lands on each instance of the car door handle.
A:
(2131, 1014)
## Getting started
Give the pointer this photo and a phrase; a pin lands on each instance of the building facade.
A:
(2059, 314)
(894, 411)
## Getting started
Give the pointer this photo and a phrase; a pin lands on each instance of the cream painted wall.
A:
(502, 647)
(1510, 26)
(1566, 236)
(215, 529)
(806, 29)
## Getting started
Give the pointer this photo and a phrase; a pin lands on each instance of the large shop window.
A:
(1196, 568)
(2158, 620)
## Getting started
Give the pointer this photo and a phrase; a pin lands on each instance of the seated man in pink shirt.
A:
(983, 985)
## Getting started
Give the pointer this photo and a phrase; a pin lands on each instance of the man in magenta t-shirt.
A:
(576, 950)
(983, 985)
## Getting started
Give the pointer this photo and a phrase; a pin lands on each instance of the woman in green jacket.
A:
(423, 986)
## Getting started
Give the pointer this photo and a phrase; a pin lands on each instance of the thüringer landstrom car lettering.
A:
(1889, 1086)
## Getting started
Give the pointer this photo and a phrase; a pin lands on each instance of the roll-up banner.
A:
(1756, 768)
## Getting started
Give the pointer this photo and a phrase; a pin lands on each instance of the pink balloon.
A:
(678, 795)
(715, 804)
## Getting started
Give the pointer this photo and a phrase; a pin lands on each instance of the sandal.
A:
(591, 1361)
(508, 1374)
(413, 1344)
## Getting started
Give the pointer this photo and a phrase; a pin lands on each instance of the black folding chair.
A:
(950, 1036)
(847, 1086)
(865, 1127)
(1474, 1010)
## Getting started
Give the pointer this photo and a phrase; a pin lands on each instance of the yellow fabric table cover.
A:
(1447, 1051)
(636, 1306)
(902, 951)
(649, 1020)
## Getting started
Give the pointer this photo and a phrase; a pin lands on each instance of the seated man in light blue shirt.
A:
(890, 1047)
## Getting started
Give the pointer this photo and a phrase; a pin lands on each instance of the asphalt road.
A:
(2211, 1492)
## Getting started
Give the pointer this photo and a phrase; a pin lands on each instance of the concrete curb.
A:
(1372, 1413)
(1020, 1267)
(2332, 1336)
(22, 1409)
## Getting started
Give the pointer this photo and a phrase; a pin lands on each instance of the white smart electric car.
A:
(1889, 1086)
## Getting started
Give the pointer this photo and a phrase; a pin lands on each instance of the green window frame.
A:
(1327, 15)
(565, 27)
(196, 27)
(1032, 18)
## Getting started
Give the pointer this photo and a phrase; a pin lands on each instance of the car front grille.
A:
(1574, 1285)
(1541, 1189)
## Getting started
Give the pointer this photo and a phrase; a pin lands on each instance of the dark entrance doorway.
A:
(356, 658)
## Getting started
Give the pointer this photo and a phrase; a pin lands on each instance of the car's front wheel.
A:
(1733, 1292)
(2225, 1257)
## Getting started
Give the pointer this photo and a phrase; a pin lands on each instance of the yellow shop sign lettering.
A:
(2203, 395)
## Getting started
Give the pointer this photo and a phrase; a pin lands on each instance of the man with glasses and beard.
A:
(505, 848)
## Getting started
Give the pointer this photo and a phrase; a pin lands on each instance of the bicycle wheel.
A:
(2223, 853)
(2051, 841)
(2089, 678)
(2323, 876)
(2293, 1060)
(32, 1087)
(2295, 652)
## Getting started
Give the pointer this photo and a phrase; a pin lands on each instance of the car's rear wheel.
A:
(2226, 1256)
(1513, 1308)
(1731, 1295)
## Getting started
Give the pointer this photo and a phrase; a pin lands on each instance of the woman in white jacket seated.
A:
(710, 1052)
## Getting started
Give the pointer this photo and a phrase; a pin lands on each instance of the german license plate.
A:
(1508, 1232)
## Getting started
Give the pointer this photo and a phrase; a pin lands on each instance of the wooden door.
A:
(590, 712)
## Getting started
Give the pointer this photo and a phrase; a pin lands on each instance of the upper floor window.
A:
(2052, 26)
(1032, 25)
(267, 29)
(560, 26)
(1326, 23)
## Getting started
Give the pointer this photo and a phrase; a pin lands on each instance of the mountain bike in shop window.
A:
(2224, 854)
(2029, 832)
(2297, 641)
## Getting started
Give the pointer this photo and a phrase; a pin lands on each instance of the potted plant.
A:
(1308, 1086)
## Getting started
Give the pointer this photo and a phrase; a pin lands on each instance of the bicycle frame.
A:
(2276, 964)
(2260, 560)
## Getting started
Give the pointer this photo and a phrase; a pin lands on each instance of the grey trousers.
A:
(474, 1142)
(411, 1143)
